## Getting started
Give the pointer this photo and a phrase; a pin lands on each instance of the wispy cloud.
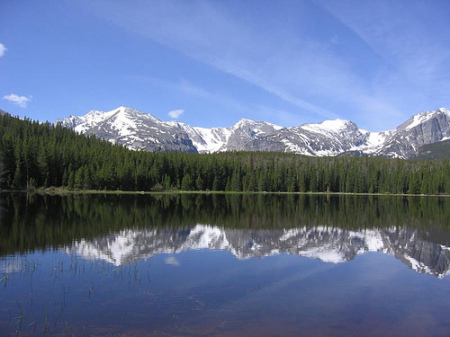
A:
(391, 30)
(413, 39)
(205, 37)
(396, 68)
(175, 114)
(3, 49)
(251, 111)
(21, 101)
(218, 97)
(171, 260)
(282, 117)
(193, 90)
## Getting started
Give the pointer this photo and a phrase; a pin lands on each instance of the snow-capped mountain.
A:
(332, 245)
(132, 128)
(422, 129)
(329, 138)
(142, 131)
(236, 137)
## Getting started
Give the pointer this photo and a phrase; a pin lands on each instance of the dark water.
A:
(220, 265)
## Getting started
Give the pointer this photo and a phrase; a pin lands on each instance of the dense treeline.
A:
(42, 155)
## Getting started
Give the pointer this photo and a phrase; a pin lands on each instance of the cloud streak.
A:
(205, 38)
(21, 101)
(3, 49)
(395, 69)
(251, 111)
(401, 35)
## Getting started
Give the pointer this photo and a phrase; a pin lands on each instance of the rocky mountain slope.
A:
(332, 245)
(438, 150)
(141, 131)
(422, 129)
(132, 128)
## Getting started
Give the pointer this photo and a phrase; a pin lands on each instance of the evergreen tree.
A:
(33, 154)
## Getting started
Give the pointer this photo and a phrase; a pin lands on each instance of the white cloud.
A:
(3, 49)
(21, 101)
(172, 261)
(175, 114)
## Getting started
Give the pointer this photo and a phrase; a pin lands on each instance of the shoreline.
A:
(64, 191)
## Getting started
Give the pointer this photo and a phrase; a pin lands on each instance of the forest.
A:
(40, 155)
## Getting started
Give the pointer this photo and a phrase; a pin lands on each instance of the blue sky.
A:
(211, 63)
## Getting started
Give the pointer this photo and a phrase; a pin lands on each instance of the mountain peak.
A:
(122, 112)
(333, 126)
(142, 131)
(126, 109)
(132, 128)
(244, 122)
(444, 110)
(336, 124)
(422, 118)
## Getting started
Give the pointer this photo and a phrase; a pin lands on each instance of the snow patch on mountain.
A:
(228, 139)
(424, 117)
(206, 140)
(142, 131)
(328, 126)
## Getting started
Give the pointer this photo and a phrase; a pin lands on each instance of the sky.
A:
(211, 63)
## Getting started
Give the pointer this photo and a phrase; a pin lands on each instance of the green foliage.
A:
(34, 155)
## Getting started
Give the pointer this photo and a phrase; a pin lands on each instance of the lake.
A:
(224, 265)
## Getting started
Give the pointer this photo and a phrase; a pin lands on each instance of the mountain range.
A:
(332, 245)
(141, 131)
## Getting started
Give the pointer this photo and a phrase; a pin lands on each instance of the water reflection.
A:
(126, 229)
(39, 222)
(224, 265)
(328, 244)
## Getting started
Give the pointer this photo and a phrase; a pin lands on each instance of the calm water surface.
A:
(224, 266)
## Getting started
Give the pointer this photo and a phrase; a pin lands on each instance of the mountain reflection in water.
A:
(224, 265)
(126, 229)
(328, 244)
